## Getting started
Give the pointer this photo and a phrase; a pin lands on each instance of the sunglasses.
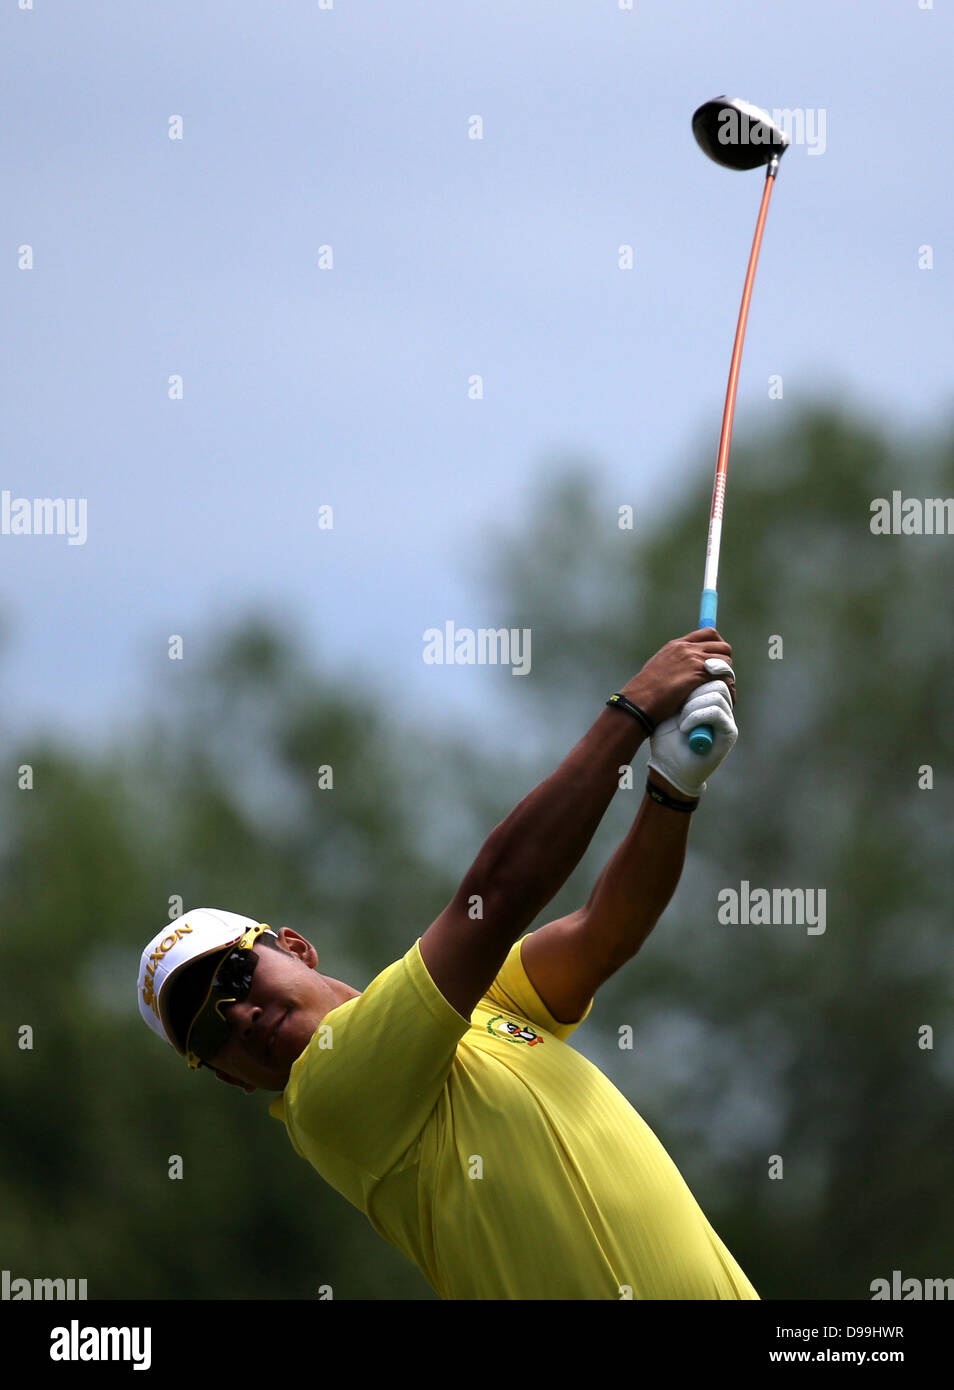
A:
(210, 1029)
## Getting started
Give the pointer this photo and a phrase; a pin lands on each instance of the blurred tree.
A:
(217, 802)
(751, 1041)
(762, 1040)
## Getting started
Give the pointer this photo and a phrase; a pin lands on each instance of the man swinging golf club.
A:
(444, 1101)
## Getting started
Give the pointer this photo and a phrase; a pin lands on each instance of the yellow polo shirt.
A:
(494, 1156)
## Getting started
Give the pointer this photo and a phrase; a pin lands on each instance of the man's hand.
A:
(669, 678)
(671, 756)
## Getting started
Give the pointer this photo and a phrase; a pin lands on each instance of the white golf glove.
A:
(670, 753)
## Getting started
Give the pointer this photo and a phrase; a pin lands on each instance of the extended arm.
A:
(634, 889)
(530, 855)
(568, 959)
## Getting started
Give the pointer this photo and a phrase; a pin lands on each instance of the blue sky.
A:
(348, 127)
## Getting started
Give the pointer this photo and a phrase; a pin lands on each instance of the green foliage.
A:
(762, 1040)
(750, 1041)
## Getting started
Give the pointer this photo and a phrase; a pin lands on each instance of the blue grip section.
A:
(708, 608)
(701, 738)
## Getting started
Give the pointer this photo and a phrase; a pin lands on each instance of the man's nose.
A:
(243, 1016)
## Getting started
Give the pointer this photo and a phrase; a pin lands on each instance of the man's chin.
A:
(293, 1037)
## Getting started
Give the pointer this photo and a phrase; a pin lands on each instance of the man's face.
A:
(287, 994)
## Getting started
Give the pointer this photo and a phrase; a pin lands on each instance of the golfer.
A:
(445, 1100)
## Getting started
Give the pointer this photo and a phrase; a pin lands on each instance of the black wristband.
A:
(621, 702)
(664, 799)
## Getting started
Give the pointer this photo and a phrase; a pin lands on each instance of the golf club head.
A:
(737, 134)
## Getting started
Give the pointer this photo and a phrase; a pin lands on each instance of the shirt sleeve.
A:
(512, 990)
(373, 1072)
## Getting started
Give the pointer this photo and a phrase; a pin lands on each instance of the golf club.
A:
(736, 135)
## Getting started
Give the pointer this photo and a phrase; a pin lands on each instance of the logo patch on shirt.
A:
(513, 1032)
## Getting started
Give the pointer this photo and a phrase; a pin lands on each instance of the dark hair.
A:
(191, 985)
(266, 939)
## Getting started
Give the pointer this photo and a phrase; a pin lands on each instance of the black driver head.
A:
(736, 134)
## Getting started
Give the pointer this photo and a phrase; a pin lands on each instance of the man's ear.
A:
(233, 1081)
(298, 946)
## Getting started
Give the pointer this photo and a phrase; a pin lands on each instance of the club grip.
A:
(702, 737)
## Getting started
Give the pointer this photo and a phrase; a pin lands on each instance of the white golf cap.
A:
(188, 939)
